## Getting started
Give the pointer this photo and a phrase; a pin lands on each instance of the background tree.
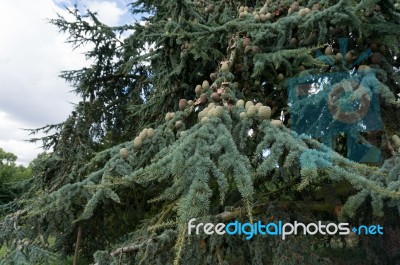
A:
(198, 126)
(10, 174)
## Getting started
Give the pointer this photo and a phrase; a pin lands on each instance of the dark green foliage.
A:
(131, 165)
(12, 177)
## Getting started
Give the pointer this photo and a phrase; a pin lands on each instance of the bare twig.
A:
(131, 248)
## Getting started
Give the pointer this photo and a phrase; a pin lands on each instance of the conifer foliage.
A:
(188, 117)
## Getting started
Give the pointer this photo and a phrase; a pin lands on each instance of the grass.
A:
(3, 251)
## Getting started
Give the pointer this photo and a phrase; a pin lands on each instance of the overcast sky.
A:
(32, 54)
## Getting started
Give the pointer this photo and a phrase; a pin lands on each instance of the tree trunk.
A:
(78, 242)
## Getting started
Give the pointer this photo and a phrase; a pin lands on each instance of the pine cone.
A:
(215, 97)
(249, 104)
(219, 111)
(179, 124)
(264, 112)
(328, 50)
(137, 142)
(143, 134)
(204, 120)
(224, 66)
(124, 153)
(277, 123)
(240, 103)
(198, 89)
(251, 111)
(205, 86)
(150, 132)
(168, 116)
(243, 115)
(183, 104)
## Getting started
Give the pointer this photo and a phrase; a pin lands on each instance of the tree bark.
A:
(78, 242)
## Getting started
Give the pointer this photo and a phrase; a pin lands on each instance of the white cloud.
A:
(109, 13)
(12, 140)
(32, 54)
